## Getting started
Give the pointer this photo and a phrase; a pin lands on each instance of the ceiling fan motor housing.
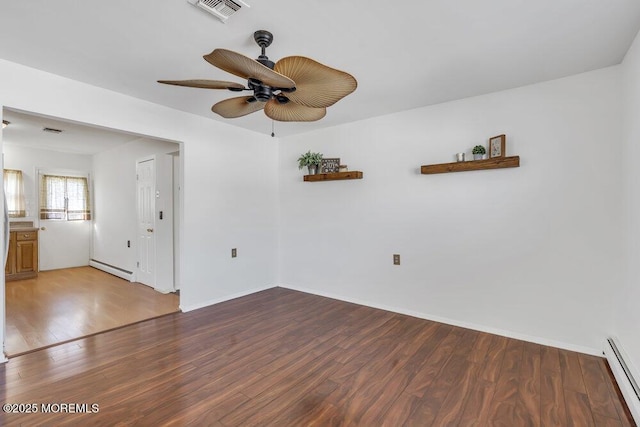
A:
(261, 91)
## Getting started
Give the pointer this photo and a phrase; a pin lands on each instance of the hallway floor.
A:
(63, 305)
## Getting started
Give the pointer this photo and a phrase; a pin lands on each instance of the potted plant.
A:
(478, 152)
(311, 161)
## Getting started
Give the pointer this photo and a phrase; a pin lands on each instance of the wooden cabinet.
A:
(22, 259)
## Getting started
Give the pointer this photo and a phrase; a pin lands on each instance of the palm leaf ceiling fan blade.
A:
(292, 112)
(317, 85)
(204, 84)
(247, 68)
(295, 89)
(237, 107)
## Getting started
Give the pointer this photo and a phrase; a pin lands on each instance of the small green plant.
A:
(309, 159)
(479, 149)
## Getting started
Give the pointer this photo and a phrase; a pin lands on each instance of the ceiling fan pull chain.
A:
(273, 128)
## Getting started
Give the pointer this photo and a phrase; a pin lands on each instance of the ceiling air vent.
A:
(52, 130)
(221, 9)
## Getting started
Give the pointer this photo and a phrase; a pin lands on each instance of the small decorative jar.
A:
(343, 168)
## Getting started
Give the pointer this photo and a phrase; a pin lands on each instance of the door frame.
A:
(154, 135)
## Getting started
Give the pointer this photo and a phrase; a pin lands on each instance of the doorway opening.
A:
(108, 158)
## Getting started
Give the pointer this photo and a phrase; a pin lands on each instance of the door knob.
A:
(150, 230)
(43, 228)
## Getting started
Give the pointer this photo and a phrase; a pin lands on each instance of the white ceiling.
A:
(25, 130)
(404, 55)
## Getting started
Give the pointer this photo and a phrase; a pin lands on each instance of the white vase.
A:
(478, 156)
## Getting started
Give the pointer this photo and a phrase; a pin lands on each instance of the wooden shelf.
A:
(472, 165)
(333, 176)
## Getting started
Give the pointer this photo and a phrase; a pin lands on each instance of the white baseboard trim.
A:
(453, 322)
(186, 308)
(116, 271)
(629, 394)
(164, 291)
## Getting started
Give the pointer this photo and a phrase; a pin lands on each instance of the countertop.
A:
(22, 226)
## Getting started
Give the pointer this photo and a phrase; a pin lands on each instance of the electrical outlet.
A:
(234, 253)
(396, 259)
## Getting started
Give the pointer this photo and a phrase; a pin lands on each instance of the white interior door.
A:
(62, 243)
(146, 190)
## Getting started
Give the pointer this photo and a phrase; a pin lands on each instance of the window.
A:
(64, 198)
(14, 192)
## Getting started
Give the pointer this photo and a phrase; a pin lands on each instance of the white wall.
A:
(627, 312)
(530, 252)
(115, 200)
(62, 244)
(29, 159)
(230, 179)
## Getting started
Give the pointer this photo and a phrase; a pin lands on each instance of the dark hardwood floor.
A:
(286, 358)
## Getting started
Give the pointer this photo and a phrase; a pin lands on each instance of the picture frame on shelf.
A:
(329, 165)
(497, 146)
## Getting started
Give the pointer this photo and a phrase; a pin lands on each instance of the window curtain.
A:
(78, 207)
(14, 191)
(64, 197)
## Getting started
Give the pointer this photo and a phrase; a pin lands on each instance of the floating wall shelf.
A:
(474, 165)
(333, 176)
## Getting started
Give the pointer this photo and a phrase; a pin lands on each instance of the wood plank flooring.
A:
(286, 358)
(66, 304)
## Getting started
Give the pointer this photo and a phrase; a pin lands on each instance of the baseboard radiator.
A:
(624, 377)
(111, 269)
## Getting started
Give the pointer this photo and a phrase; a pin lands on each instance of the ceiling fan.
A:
(294, 89)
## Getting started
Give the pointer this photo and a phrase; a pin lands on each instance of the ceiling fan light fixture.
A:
(221, 9)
